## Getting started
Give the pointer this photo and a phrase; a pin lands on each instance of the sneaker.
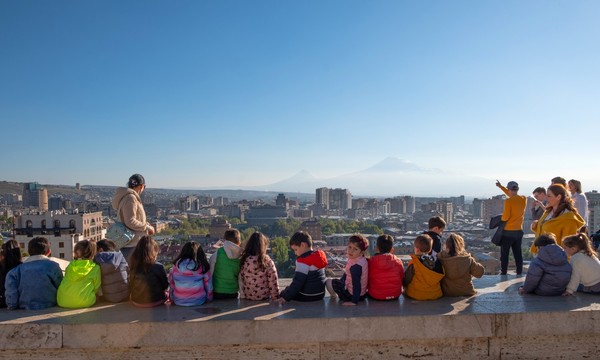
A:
(330, 290)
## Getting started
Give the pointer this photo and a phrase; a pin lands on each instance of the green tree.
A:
(280, 251)
(328, 226)
(284, 228)
(246, 233)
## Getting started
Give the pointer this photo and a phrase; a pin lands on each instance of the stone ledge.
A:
(496, 323)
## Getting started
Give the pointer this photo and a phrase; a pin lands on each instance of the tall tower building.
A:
(446, 209)
(34, 195)
(340, 199)
(492, 207)
(322, 197)
(477, 208)
(411, 205)
(281, 200)
(594, 211)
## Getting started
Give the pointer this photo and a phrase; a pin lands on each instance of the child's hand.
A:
(348, 303)
(280, 301)
(521, 290)
(566, 293)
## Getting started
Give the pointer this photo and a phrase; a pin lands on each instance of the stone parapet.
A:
(497, 323)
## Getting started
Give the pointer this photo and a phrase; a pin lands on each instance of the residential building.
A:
(594, 211)
(62, 230)
(322, 197)
(313, 228)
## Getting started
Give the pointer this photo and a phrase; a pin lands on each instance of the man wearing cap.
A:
(512, 236)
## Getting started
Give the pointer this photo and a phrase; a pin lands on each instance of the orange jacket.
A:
(425, 284)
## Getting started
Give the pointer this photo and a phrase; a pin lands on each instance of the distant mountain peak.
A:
(303, 175)
(391, 163)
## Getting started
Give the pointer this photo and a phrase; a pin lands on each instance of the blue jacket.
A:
(33, 284)
(114, 269)
(549, 273)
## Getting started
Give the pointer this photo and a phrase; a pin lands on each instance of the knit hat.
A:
(135, 180)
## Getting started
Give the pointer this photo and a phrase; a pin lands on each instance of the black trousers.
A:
(511, 239)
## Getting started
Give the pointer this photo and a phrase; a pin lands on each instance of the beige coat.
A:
(132, 213)
(459, 269)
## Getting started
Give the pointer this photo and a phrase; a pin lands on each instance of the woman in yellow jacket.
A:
(560, 218)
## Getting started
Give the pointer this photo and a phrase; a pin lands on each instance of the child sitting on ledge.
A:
(549, 272)
(33, 284)
(424, 273)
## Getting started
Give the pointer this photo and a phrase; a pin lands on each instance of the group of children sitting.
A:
(563, 270)
(428, 276)
(99, 270)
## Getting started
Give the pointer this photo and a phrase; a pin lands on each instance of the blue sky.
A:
(216, 93)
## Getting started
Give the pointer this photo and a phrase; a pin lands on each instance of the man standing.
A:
(539, 204)
(512, 236)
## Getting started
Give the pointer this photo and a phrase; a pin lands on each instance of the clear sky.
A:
(215, 93)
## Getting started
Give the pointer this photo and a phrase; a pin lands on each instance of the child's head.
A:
(544, 240)
(423, 244)
(256, 246)
(193, 251)
(357, 245)
(437, 224)
(11, 254)
(575, 243)
(144, 255)
(455, 244)
(38, 246)
(233, 235)
(385, 244)
(301, 242)
(84, 250)
(106, 245)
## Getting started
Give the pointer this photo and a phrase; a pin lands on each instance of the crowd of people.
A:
(566, 262)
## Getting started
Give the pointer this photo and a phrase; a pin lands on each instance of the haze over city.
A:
(384, 97)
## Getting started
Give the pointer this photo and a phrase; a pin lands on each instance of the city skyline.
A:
(237, 94)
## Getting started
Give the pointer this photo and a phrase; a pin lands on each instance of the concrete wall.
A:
(555, 335)
(497, 323)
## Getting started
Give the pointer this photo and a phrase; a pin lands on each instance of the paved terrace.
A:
(495, 324)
